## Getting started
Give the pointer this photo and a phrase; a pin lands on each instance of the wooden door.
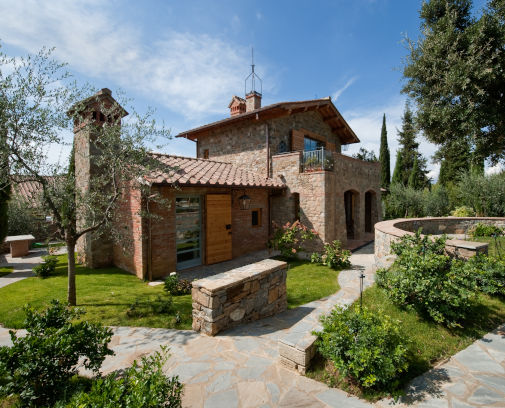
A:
(218, 228)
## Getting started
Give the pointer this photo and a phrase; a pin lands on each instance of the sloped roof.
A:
(325, 106)
(27, 189)
(189, 171)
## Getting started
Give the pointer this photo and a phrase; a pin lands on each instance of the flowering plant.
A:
(290, 238)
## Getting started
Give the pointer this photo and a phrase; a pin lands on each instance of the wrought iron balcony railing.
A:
(317, 160)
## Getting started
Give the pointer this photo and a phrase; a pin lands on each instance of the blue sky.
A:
(187, 58)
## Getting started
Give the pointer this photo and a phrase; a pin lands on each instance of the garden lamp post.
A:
(361, 279)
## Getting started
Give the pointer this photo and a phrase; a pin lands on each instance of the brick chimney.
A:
(253, 101)
(237, 106)
(93, 251)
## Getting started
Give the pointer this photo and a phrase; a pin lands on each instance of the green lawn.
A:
(5, 270)
(108, 293)
(307, 282)
(429, 342)
(495, 247)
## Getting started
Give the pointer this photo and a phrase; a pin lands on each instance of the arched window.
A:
(282, 148)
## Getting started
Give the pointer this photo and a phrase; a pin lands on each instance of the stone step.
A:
(297, 346)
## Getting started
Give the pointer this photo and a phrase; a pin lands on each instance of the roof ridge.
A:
(187, 157)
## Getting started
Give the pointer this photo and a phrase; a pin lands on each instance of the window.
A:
(206, 154)
(256, 217)
(282, 148)
(310, 144)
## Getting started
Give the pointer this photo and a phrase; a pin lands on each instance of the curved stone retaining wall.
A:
(389, 231)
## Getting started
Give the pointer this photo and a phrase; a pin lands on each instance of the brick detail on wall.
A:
(130, 247)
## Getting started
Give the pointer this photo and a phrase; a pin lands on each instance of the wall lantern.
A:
(244, 201)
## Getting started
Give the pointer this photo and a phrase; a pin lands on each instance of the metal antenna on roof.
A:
(253, 77)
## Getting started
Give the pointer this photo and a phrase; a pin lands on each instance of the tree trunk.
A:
(71, 296)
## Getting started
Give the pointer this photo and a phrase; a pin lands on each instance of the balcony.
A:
(317, 160)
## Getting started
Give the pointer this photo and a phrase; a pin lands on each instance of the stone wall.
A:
(387, 232)
(321, 194)
(238, 296)
(244, 143)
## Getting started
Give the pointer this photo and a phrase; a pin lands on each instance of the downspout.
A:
(268, 149)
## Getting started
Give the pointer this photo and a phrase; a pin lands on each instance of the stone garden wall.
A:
(240, 295)
(387, 232)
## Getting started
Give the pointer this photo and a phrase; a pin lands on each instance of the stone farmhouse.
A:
(261, 165)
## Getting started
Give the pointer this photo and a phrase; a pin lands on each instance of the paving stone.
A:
(476, 359)
(497, 382)
(252, 394)
(221, 383)
(434, 403)
(459, 389)
(295, 398)
(186, 371)
(460, 404)
(485, 396)
(274, 392)
(228, 399)
(224, 365)
(338, 398)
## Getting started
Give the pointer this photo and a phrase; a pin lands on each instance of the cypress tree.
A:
(397, 173)
(384, 156)
(415, 177)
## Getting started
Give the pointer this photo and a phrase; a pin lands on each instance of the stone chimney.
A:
(237, 106)
(253, 101)
(93, 251)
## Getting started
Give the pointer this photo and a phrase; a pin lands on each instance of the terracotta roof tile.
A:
(203, 172)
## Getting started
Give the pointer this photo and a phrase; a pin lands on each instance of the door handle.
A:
(228, 226)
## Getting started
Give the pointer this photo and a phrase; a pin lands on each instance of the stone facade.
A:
(387, 232)
(240, 295)
(244, 144)
(321, 194)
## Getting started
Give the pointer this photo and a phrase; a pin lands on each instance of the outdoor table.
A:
(19, 244)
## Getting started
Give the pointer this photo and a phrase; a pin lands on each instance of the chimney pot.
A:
(253, 101)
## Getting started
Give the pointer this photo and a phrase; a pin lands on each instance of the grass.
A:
(429, 344)
(307, 282)
(5, 270)
(495, 248)
(106, 294)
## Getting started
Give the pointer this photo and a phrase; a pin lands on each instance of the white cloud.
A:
(367, 124)
(191, 74)
(339, 92)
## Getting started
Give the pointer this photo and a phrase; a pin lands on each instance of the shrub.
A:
(148, 306)
(485, 230)
(423, 277)
(23, 220)
(290, 238)
(176, 286)
(436, 202)
(463, 211)
(46, 268)
(403, 202)
(140, 386)
(489, 273)
(365, 346)
(484, 193)
(38, 367)
(334, 256)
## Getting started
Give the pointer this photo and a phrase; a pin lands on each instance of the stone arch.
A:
(351, 207)
(371, 214)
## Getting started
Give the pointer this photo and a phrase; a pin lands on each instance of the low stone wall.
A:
(387, 232)
(240, 295)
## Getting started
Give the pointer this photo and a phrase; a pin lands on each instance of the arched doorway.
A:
(351, 205)
(370, 210)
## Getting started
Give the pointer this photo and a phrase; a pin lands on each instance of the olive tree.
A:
(42, 103)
